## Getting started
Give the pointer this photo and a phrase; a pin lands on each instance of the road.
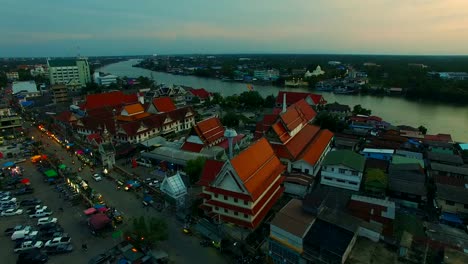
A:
(180, 247)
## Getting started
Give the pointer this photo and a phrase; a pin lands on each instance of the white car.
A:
(40, 214)
(97, 177)
(40, 207)
(8, 199)
(27, 245)
(10, 212)
(46, 220)
(58, 241)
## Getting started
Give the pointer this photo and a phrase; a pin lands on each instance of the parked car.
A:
(19, 234)
(7, 199)
(10, 212)
(40, 214)
(31, 201)
(39, 207)
(4, 194)
(60, 249)
(97, 177)
(58, 241)
(9, 231)
(32, 256)
(27, 245)
(46, 220)
(23, 191)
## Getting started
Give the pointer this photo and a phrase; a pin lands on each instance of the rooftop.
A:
(347, 158)
(449, 168)
(452, 193)
(62, 63)
(293, 219)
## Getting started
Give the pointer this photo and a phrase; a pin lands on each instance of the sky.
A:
(47, 28)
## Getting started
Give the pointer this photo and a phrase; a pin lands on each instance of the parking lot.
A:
(71, 219)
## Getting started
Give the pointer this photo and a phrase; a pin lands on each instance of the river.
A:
(437, 117)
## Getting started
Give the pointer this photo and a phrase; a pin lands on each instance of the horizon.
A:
(355, 27)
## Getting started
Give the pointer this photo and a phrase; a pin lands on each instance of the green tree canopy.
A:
(194, 169)
(422, 129)
(359, 110)
(230, 119)
(270, 101)
(147, 231)
(251, 99)
(328, 121)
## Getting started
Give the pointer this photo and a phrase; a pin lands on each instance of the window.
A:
(246, 202)
(225, 197)
(235, 200)
(246, 216)
(236, 213)
(216, 195)
(328, 178)
(342, 171)
(216, 208)
(447, 202)
(355, 173)
(352, 183)
(225, 210)
(339, 180)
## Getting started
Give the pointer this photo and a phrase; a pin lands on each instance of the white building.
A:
(104, 80)
(318, 71)
(70, 71)
(267, 75)
(27, 88)
(343, 169)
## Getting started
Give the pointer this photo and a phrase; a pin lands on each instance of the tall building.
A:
(60, 93)
(69, 71)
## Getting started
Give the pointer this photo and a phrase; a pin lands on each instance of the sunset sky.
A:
(124, 27)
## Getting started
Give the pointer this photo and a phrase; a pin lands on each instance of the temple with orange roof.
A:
(242, 190)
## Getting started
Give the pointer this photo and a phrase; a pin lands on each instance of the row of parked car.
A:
(34, 244)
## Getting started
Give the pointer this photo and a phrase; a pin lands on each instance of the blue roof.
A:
(464, 146)
(27, 103)
(451, 218)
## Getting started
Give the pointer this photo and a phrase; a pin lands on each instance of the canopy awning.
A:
(62, 166)
(90, 211)
(50, 173)
(8, 164)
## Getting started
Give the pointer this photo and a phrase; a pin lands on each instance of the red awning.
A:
(90, 211)
(99, 221)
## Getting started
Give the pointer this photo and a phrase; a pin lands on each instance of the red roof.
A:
(258, 167)
(209, 130)
(64, 117)
(439, 137)
(94, 137)
(301, 140)
(210, 171)
(164, 104)
(265, 124)
(111, 99)
(225, 143)
(293, 97)
(192, 147)
(201, 93)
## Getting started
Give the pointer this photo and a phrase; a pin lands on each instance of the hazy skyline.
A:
(120, 27)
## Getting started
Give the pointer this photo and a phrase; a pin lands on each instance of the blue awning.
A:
(27, 103)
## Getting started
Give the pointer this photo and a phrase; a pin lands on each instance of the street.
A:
(180, 247)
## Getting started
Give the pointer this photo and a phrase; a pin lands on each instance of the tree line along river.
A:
(437, 117)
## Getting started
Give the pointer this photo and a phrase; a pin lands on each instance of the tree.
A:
(270, 101)
(230, 119)
(328, 121)
(359, 110)
(195, 100)
(194, 169)
(251, 99)
(422, 129)
(147, 231)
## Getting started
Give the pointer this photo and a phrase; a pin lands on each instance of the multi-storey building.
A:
(70, 71)
(343, 169)
(60, 93)
(242, 190)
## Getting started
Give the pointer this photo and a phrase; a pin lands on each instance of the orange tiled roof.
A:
(164, 104)
(210, 130)
(297, 114)
(132, 117)
(301, 140)
(134, 109)
(257, 167)
(315, 149)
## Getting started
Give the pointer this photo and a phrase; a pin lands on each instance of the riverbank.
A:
(437, 117)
